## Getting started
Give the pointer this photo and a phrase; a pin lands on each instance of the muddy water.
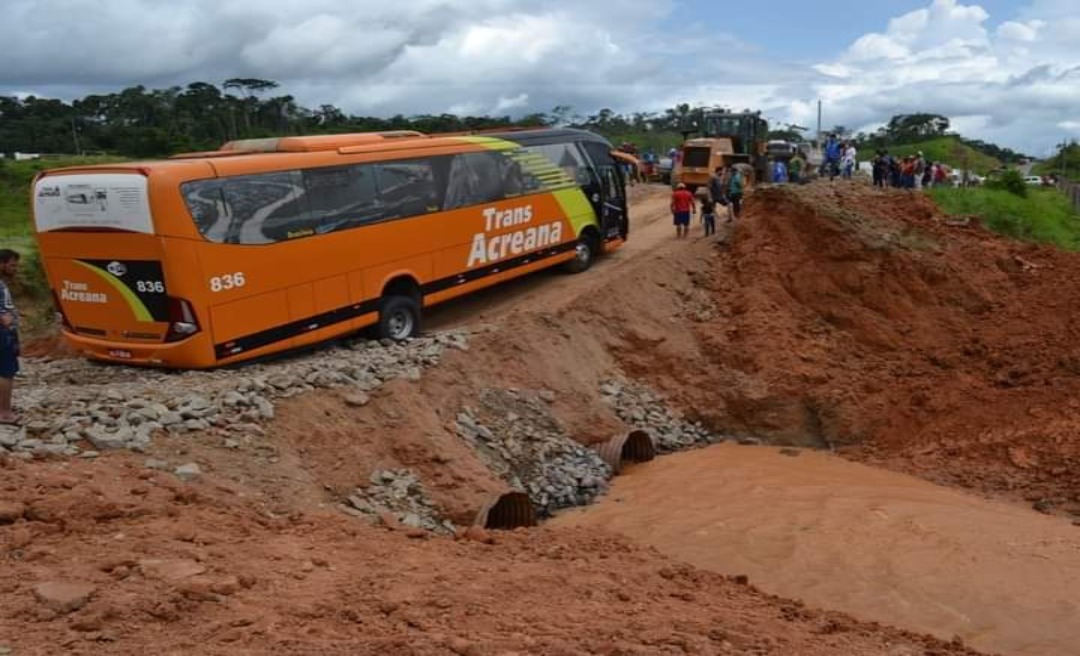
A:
(876, 544)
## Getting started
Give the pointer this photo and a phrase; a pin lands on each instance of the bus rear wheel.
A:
(584, 253)
(399, 318)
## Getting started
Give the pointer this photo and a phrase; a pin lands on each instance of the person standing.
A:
(735, 186)
(832, 157)
(716, 186)
(708, 216)
(779, 172)
(849, 159)
(9, 335)
(682, 206)
(795, 169)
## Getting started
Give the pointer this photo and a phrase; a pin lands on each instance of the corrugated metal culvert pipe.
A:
(507, 511)
(635, 446)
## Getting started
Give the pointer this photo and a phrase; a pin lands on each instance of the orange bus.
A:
(266, 245)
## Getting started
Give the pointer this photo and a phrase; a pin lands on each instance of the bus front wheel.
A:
(584, 253)
(399, 317)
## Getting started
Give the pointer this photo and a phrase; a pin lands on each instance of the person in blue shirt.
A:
(832, 156)
(779, 172)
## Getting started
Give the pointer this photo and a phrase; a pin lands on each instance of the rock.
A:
(750, 441)
(547, 396)
(11, 435)
(264, 407)
(11, 511)
(188, 472)
(357, 399)
(153, 463)
(790, 452)
(230, 443)
(169, 418)
(171, 570)
(103, 440)
(64, 597)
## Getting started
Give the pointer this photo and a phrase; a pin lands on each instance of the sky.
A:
(1003, 71)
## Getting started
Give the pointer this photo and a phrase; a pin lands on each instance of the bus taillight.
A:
(182, 320)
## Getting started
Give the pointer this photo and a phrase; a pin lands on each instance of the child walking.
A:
(708, 216)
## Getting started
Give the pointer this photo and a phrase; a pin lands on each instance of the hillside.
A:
(952, 152)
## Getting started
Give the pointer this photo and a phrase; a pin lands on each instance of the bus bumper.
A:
(612, 245)
(184, 354)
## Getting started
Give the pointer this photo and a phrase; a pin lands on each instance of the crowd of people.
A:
(911, 172)
(726, 187)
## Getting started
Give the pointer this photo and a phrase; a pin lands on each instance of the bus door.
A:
(609, 195)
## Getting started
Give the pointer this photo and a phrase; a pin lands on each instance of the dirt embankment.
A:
(848, 318)
(112, 558)
(253, 555)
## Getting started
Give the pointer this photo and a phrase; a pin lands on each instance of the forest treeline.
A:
(141, 122)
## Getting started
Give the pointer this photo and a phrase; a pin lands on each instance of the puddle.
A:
(876, 544)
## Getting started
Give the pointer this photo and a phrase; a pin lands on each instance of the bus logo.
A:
(117, 269)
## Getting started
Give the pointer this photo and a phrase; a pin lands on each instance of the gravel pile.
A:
(517, 437)
(400, 493)
(641, 408)
(70, 405)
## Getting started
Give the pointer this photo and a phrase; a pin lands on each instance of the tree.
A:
(909, 128)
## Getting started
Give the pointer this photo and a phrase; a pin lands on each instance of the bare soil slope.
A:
(845, 317)
(109, 557)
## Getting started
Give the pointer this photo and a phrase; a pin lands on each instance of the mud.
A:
(208, 567)
(840, 535)
(836, 317)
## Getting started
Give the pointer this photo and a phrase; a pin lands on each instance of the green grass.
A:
(950, 151)
(1045, 216)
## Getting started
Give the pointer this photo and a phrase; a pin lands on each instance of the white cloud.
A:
(1017, 82)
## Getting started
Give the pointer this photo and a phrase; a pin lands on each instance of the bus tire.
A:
(588, 247)
(399, 318)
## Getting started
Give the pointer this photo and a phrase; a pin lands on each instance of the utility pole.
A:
(819, 123)
(1064, 159)
(75, 136)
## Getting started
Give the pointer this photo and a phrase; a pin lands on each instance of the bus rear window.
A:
(93, 201)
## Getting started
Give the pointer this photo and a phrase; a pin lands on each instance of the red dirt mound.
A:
(108, 557)
(847, 317)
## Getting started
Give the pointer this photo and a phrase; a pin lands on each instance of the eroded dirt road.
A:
(877, 544)
(546, 292)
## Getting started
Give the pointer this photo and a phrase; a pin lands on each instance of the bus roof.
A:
(312, 143)
(240, 153)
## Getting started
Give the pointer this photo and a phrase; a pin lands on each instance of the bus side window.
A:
(407, 188)
(342, 197)
(473, 179)
(205, 200)
(606, 168)
(266, 208)
(250, 209)
(567, 157)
